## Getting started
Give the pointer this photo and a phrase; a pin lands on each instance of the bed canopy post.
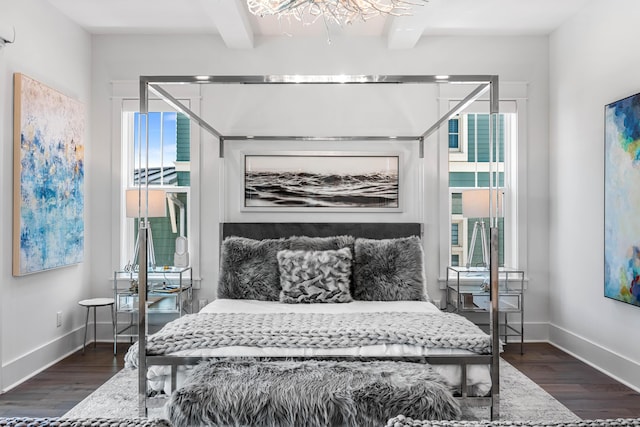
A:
(494, 103)
(142, 322)
(142, 273)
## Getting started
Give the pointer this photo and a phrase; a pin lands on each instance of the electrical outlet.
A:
(58, 319)
(201, 304)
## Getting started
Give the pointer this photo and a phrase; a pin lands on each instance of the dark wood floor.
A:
(56, 390)
(584, 390)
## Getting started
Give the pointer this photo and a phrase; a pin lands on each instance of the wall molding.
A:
(617, 366)
(30, 364)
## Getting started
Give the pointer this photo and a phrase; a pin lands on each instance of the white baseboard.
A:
(618, 367)
(20, 369)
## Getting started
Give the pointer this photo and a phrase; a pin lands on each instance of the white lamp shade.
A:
(137, 203)
(475, 203)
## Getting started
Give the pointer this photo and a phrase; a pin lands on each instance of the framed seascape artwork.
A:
(317, 181)
(48, 194)
(622, 200)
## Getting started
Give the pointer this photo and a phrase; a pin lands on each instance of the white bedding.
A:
(478, 375)
(254, 306)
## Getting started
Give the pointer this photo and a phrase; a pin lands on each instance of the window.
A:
(469, 169)
(455, 260)
(167, 167)
(455, 227)
(454, 139)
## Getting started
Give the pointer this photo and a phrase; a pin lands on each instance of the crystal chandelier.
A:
(338, 11)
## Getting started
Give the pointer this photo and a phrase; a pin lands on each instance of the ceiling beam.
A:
(230, 17)
(405, 31)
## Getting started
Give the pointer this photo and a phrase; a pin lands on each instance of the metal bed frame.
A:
(484, 84)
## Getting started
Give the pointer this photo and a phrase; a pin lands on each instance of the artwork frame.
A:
(297, 181)
(622, 200)
(48, 178)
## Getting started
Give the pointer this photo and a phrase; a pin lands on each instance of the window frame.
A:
(125, 97)
(128, 164)
(513, 100)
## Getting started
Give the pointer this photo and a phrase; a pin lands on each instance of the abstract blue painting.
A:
(48, 217)
(622, 200)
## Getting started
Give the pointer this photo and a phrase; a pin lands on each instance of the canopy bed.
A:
(348, 243)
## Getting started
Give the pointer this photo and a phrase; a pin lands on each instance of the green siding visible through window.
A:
(163, 240)
(483, 179)
(455, 260)
(462, 179)
(183, 147)
(468, 179)
(471, 138)
(478, 125)
(183, 138)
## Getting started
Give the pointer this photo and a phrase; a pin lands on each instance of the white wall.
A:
(514, 59)
(593, 61)
(56, 52)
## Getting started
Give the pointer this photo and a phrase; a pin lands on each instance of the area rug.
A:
(520, 400)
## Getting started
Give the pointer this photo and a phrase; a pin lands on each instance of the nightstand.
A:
(467, 292)
(170, 295)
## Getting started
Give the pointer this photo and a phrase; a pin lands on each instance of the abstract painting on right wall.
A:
(622, 200)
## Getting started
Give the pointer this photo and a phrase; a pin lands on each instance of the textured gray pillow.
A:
(249, 269)
(315, 276)
(389, 270)
(306, 243)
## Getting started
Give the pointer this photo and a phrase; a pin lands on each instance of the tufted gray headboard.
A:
(272, 230)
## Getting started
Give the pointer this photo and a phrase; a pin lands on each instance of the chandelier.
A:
(338, 11)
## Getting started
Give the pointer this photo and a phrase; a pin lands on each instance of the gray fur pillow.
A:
(315, 276)
(389, 270)
(249, 269)
(306, 243)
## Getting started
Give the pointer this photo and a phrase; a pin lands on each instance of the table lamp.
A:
(475, 204)
(136, 206)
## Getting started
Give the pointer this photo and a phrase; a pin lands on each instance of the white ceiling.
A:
(238, 28)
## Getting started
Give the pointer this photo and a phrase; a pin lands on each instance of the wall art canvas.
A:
(622, 200)
(48, 198)
(321, 182)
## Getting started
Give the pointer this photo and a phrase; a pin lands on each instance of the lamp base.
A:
(479, 226)
(151, 254)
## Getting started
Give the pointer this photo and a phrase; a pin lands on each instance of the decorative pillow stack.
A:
(335, 269)
(315, 276)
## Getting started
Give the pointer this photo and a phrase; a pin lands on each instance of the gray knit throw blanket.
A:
(314, 330)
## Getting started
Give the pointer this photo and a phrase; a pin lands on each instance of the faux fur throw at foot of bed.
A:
(309, 393)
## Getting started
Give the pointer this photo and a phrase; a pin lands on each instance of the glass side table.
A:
(467, 291)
